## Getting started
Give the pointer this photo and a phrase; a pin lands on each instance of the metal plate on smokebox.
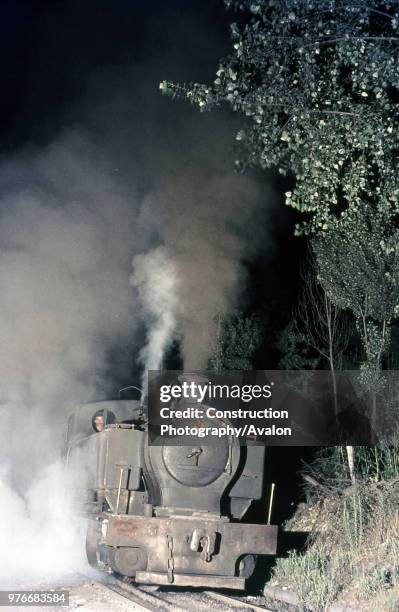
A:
(196, 466)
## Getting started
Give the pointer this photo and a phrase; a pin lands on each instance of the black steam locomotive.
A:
(165, 514)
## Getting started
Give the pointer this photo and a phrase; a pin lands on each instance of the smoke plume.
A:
(155, 278)
(207, 220)
(135, 177)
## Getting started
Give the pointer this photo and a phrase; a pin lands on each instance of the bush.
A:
(315, 576)
(354, 547)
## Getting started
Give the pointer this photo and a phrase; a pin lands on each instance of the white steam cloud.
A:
(41, 540)
(155, 277)
(65, 252)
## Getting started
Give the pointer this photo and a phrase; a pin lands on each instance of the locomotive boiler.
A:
(163, 514)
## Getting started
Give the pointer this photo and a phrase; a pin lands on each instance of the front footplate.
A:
(188, 550)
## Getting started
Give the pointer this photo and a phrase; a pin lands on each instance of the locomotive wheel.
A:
(246, 566)
(92, 543)
(126, 560)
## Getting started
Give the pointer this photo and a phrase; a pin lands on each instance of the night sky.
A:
(51, 50)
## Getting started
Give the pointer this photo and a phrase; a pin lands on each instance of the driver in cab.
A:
(98, 422)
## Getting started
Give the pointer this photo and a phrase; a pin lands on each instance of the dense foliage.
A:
(358, 265)
(238, 337)
(318, 82)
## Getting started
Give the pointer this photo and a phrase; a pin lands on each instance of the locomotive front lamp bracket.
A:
(203, 542)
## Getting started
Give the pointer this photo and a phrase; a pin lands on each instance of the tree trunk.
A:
(350, 452)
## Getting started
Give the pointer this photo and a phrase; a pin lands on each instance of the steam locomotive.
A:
(162, 514)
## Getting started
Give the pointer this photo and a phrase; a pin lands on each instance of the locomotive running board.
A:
(190, 580)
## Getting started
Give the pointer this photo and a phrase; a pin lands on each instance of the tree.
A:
(318, 83)
(237, 339)
(322, 324)
(321, 327)
(318, 333)
(358, 267)
(294, 348)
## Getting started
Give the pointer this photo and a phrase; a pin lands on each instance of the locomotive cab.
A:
(166, 514)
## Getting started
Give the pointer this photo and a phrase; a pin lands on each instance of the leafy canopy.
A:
(318, 83)
(358, 265)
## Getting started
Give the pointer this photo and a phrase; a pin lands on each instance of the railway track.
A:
(169, 600)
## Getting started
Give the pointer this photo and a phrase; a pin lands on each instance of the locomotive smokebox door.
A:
(196, 466)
